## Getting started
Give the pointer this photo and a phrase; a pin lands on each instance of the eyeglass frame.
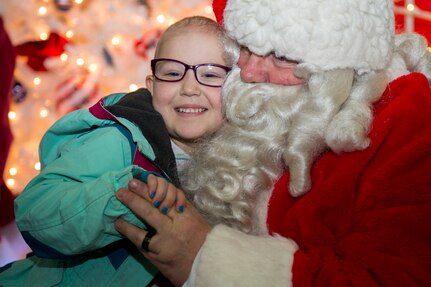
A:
(187, 67)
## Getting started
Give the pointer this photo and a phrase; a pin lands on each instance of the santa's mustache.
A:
(255, 106)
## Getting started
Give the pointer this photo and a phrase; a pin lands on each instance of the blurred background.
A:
(65, 54)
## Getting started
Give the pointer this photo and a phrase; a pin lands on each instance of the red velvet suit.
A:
(367, 219)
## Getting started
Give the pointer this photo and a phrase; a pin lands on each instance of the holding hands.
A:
(164, 195)
(178, 235)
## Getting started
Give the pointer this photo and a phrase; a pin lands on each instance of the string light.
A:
(161, 18)
(42, 11)
(69, 34)
(411, 7)
(115, 41)
(43, 36)
(12, 115)
(10, 182)
(208, 9)
(37, 81)
(133, 87)
(64, 57)
(43, 113)
(13, 171)
(80, 62)
(93, 68)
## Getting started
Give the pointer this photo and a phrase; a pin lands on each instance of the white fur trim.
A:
(411, 55)
(329, 34)
(261, 212)
(232, 258)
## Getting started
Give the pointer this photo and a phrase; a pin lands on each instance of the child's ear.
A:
(149, 82)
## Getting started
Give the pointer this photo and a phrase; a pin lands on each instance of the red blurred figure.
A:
(11, 242)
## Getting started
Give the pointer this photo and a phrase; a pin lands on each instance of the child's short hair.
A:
(197, 23)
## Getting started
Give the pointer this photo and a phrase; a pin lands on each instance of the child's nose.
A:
(190, 86)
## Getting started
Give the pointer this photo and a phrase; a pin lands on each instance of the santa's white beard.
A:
(268, 128)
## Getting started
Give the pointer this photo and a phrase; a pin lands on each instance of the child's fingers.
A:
(159, 193)
(152, 185)
(181, 201)
(165, 195)
(169, 200)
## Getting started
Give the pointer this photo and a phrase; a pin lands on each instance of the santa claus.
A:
(350, 148)
(321, 174)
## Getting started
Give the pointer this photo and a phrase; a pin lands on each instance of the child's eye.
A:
(172, 74)
(211, 75)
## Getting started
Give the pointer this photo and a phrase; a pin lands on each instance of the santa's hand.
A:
(178, 238)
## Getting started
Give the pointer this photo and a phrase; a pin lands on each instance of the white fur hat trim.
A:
(329, 34)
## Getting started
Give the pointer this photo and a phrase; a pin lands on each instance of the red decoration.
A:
(38, 51)
(421, 26)
(63, 5)
(76, 92)
(147, 41)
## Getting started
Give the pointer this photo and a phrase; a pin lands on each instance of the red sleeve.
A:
(367, 219)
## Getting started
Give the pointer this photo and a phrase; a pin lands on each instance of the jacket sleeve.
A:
(70, 207)
(232, 258)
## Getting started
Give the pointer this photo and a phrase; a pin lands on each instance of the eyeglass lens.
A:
(171, 71)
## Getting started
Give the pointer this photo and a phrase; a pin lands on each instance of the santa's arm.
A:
(230, 257)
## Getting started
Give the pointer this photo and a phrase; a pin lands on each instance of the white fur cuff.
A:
(233, 258)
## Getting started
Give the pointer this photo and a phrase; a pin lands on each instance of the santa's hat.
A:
(326, 33)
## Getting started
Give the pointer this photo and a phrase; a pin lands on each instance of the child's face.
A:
(189, 109)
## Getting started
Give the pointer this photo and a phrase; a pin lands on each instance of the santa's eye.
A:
(283, 62)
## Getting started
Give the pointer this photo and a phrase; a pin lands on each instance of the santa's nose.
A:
(253, 68)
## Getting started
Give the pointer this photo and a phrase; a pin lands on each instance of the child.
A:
(67, 213)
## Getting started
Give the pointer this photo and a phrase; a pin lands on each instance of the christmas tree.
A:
(71, 53)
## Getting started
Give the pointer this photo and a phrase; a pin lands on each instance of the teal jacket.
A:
(66, 214)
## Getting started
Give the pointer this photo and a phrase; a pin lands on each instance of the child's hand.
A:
(165, 195)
